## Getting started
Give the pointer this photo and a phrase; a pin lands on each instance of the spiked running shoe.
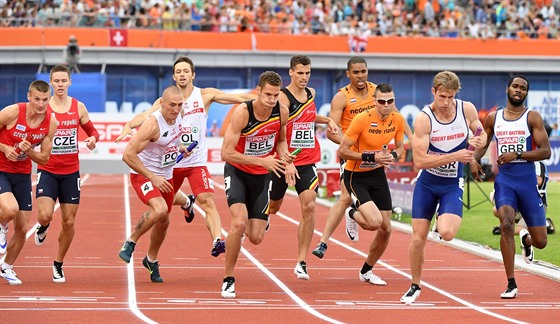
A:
(372, 279)
(218, 248)
(189, 211)
(3, 238)
(58, 273)
(126, 251)
(351, 226)
(10, 276)
(153, 269)
(320, 250)
(510, 293)
(41, 234)
(228, 287)
(301, 270)
(526, 250)
(411, 295)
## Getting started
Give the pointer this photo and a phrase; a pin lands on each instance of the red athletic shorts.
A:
(199, 179)
(146, 190)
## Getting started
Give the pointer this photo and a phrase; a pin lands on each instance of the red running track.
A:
(459, 287)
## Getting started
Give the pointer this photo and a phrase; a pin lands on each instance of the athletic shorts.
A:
(64, 187)
(308, 180)
(253, 190)
(522, 195)
(146, 190)
(369, 186)
(20, 186)
(199, 179)
(426, 197)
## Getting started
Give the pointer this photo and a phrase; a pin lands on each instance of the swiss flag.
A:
(118, 37)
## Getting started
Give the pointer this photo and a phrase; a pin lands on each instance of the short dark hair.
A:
(60, 68)
(183, 59)
(270, 77)
(518, 76)
(383, 88)
(355, 60)
(299, 59)
(40, 86)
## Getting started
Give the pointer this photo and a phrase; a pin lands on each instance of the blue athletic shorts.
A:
(65, 187)
(20, 186)
(426, 197)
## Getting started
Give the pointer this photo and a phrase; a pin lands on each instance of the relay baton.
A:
(189, 148)
(476, 133)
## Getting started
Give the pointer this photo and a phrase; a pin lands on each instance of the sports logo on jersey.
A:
(165, 134)
(20, 127)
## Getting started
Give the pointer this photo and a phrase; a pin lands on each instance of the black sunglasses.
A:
(384, 102)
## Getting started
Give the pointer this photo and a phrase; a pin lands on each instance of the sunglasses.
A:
(384, 102)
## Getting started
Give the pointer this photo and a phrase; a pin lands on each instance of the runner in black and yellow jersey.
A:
(364, 146)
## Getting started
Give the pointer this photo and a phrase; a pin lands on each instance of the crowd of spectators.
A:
(362, 18)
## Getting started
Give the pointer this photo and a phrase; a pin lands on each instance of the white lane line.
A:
(132, 304)
(275, 279)
(425, 284)
(32, 229)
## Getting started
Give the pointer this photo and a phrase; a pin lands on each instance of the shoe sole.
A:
(124, 259)
(61, 280)
(302, 276)
(228, 295)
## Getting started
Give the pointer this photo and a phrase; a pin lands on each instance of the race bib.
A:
(513, 143)
(189, 134)
(449, 170)
(303, 135)
(169, 158)
(65, 141)
(259, 145)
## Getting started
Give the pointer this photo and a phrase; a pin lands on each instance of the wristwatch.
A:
(519, 154)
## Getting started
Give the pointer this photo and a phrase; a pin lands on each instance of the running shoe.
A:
(510, 293)
(411, 295)
(153, 269)
(218, 248)
(301, 270)
(126, 251)
(228, 287)
(41, 234)
(3, 238)
(351, 226)
(526, 250)
(189, 211)
(320, 250)
(10, 276)
(58, 273)
(372, 279)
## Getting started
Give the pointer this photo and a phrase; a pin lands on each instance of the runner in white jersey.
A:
(151, 155)
(197, 101)
(521, 139)
(440, 148)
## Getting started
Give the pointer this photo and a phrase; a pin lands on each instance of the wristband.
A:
(90, 130)
(368, 157)
(394, 154)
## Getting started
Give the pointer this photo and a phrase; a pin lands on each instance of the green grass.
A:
(479, 221)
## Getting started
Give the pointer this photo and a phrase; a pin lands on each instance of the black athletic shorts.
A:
(369, 186)
(308, 180)
(250, 189)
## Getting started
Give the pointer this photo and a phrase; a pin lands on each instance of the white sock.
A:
(150, 260)
(188, 203)
(6, 266)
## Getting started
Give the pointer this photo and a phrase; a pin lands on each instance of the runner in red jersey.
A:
(300, 134)
(60, 177)
(23, 127)
(252, 142)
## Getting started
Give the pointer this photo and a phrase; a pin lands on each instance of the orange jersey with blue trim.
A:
(370, 133)
(355, 105)
(300, 129)
(258, 138)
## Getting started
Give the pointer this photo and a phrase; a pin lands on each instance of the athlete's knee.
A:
(274, 206)
(256, 237)
(446, 234)
(10, 212)
(507, 228)
(540, 242)
(206, 202)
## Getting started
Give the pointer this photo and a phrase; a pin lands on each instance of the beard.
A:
(515, 101)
